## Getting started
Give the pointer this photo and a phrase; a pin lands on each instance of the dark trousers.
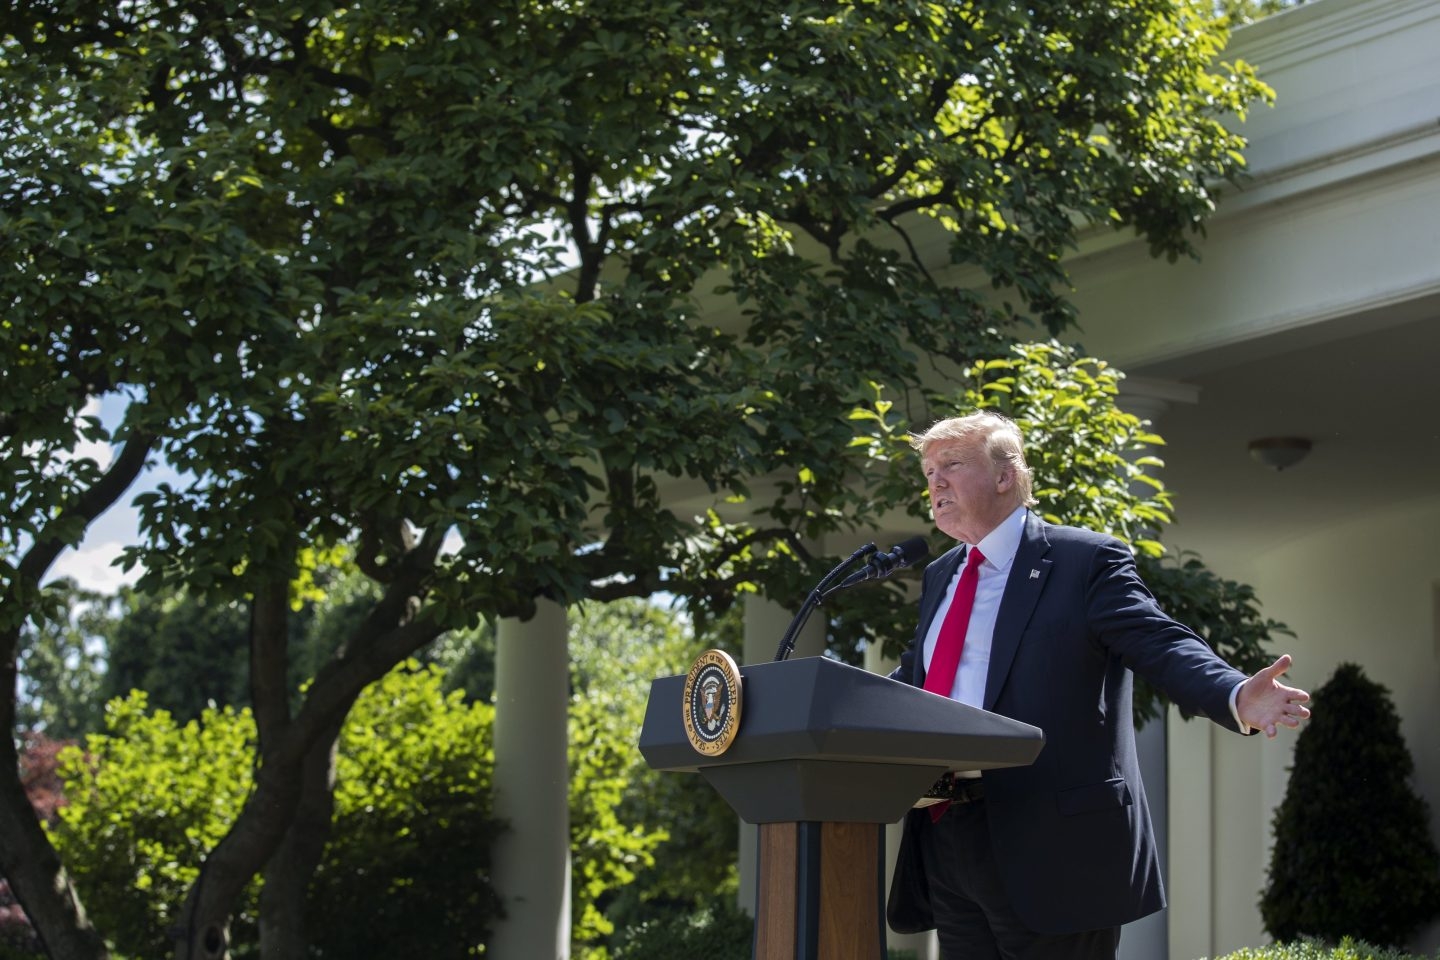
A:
(973, 916)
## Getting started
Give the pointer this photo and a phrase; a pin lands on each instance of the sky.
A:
(90, 565)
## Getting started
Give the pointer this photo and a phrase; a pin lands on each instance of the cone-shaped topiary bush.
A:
(1353, 854)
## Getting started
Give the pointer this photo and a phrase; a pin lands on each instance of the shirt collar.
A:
(1000, 545)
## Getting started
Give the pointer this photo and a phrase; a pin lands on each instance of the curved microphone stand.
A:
(787, 643)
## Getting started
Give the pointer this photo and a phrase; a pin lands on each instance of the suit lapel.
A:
(1022, 592)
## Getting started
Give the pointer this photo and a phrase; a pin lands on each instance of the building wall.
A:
(1365, 591)
(1386, 623)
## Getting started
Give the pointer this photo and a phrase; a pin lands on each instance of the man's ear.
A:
(1005, 478)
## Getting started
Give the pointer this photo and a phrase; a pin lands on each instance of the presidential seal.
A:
(712, 702)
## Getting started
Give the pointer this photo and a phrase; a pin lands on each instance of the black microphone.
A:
(881, 565)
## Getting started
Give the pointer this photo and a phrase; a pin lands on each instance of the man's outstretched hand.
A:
(1265, 703)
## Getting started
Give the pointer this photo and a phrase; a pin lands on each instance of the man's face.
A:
(968, 491)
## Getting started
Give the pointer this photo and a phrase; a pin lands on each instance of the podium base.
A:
(819, 895)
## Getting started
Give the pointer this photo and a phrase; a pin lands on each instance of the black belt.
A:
(958, 789)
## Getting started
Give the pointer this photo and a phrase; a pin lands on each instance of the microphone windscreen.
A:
(912, 551)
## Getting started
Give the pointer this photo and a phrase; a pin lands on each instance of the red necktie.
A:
(940, 678)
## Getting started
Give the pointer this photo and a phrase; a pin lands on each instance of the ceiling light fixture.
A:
(1278, 453)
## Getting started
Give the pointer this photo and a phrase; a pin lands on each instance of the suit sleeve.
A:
(1128, 622)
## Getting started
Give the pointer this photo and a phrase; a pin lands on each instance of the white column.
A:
(1191, 878)
(1148, 937)
(532, 858)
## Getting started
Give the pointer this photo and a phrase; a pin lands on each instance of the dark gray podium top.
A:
(821, 740)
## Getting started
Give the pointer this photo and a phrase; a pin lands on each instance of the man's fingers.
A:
(1279, 667)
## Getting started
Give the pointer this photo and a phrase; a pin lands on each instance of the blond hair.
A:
(1002, 440)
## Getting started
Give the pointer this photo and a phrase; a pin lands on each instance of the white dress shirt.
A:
(998, 547)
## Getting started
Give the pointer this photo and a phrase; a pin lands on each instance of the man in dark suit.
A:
(1045, 862)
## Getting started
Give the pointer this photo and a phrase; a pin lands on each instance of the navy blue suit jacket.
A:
(1072, 831)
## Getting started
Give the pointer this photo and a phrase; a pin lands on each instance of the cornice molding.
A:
(1312, 30)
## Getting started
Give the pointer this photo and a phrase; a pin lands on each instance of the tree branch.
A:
(87, 505)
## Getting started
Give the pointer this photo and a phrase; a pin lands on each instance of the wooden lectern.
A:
(825, 755)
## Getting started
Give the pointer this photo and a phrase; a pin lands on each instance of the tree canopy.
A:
(523, 299)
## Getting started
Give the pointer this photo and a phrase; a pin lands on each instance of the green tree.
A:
(189, 651)
(62, 665)
(609, 684)
(641, 841)
(186, 652)
(695, 868)
(145, 800)
(412, 822)
(1248, 11)
(370, 275)
(413, 826)
(1353, 853)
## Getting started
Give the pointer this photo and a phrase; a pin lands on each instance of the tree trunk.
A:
(204, 921)
(27, 858)
(291, 749)
(29, 861)
(283, 933)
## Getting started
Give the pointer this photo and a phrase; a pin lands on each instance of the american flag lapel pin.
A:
(1034, 574)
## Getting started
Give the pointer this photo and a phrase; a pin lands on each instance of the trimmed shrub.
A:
(720, 932)
(1353, 855)
(407, 869)
(1347, 949)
